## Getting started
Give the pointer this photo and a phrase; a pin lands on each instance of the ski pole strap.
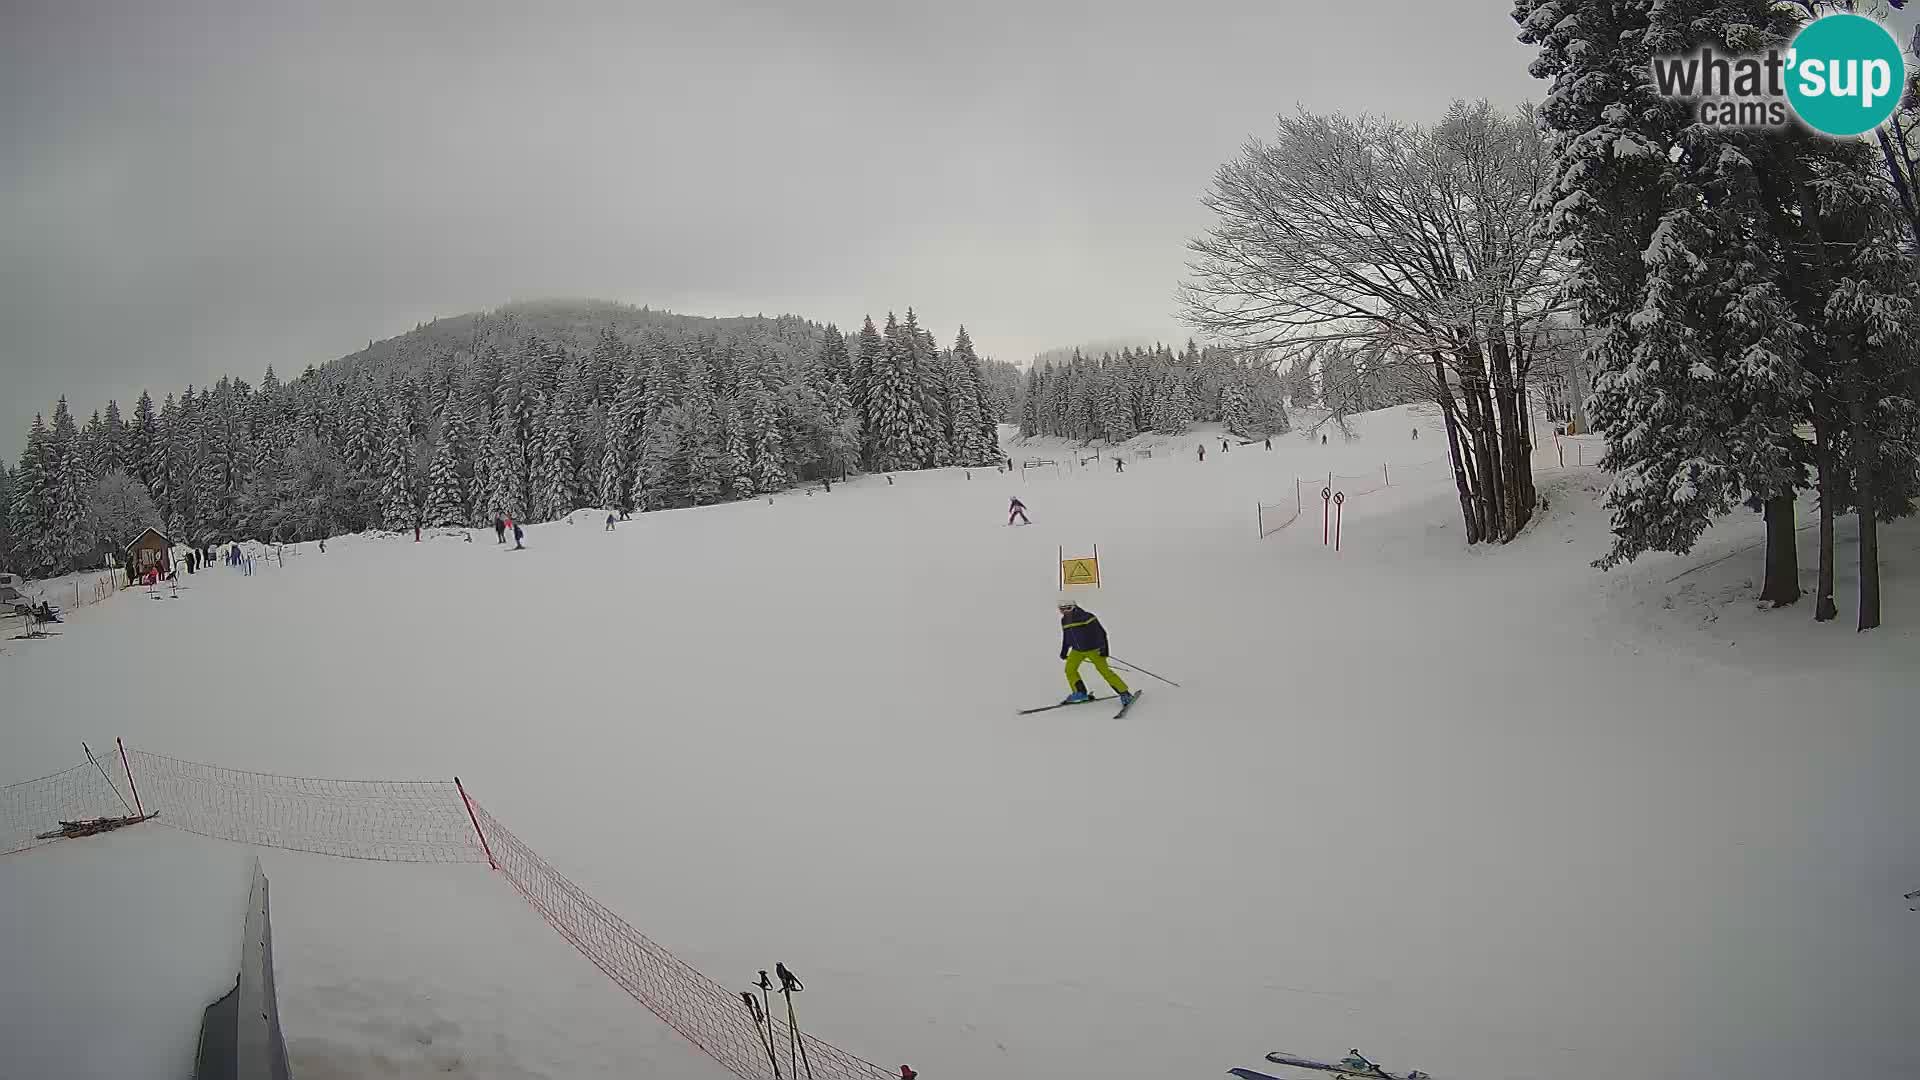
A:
(753, 1007)
(789, 982)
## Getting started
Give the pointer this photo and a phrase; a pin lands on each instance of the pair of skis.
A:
(1355, 1064)
(1089, 701)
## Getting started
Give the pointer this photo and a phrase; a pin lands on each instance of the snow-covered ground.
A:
(1489, 813)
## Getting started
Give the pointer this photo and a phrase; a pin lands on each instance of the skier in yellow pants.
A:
(1083, 639)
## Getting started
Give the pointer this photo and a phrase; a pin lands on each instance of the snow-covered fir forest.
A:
(1123, 394)
(532, 411)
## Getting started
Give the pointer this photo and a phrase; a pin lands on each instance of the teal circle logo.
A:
(1845, 74)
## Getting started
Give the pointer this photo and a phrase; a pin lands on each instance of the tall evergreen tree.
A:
(69, 482)
(400, 513)
(448, 502)
(33, 500)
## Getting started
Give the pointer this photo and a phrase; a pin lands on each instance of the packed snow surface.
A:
(1488, 813)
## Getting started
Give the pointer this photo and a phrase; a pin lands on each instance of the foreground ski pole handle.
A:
(1143, 671)
(790, 985)
(766, 988)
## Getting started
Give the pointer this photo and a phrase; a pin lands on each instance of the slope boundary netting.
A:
(31, 807)
(417, 821)
(710, 1016)
(414, 821)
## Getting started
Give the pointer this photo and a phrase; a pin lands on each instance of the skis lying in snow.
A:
(1060, 705)
(1354, 1064)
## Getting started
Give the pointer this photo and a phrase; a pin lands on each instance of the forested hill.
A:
(574, 325)
(533, 410)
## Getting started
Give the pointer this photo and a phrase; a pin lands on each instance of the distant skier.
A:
(1269, 442)
(1119, 466)
(609, 523)
(1416, 434)
(1203, 451)
(323, 544)
(1083, 639)
(518, 536)
(499, 529)
(1017, 509)
(1323, 440)
(1224, 448)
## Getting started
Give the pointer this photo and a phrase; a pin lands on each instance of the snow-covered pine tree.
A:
(557, 492)
(1695, 353)
(505, 461)
(923, 368)
(399, 514)
(447, 497)
(1030, 401)
(870, 354)
(983, 439)
(33, 501)
(702, 438)
(67, 541)
(113, 451)
(736, 469)
(9, 534)
(1236, 407)
(900, 439)
(659, 475)
(766, 444)
(832, 360)
(143, 438)
(625, 422)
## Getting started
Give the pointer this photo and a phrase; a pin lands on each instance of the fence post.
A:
(137, 808)
(1339, 498)
(1384, 476)
(484, 846)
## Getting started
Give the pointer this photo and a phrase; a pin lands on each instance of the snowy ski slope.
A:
(1486, 813)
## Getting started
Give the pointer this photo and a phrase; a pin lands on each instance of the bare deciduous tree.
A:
(1411, 247)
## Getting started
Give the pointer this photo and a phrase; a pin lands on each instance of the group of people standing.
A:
(503, 522)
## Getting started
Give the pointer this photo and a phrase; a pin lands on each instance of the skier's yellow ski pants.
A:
(1081, 656)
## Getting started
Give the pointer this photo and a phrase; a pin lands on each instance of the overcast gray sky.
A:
(189, 189)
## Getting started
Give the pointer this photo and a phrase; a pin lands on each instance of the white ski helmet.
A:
(1066, 600)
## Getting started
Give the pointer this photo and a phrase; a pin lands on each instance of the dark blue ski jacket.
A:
(1081, 630)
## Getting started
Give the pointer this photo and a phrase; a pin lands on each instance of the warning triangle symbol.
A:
(1079, 574)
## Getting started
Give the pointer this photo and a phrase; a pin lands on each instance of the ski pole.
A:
(1141, 670)
(763, 1033)
(790, 985)
(766, 986)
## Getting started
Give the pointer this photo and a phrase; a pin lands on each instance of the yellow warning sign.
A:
(1080, 571)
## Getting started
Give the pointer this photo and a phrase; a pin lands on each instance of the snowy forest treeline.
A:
(420, 432)
(1120, 395)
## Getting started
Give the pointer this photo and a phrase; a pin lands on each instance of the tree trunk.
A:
(1485, 458)
(1782, 585)
(1443, 393)
(1866, 456)
(1823, 606)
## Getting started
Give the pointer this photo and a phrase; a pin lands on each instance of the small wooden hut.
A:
(151, 548)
